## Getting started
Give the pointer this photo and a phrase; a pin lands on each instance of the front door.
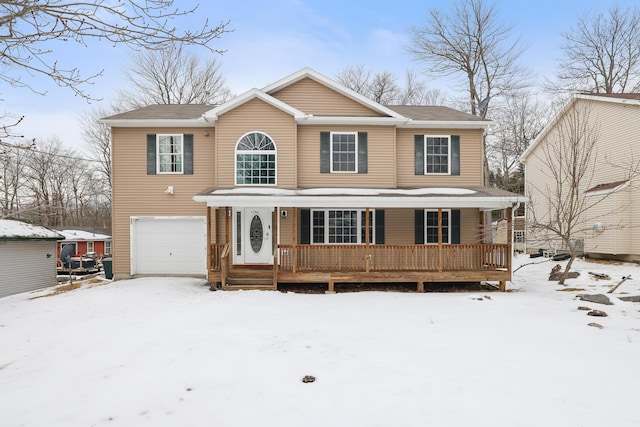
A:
(257, 236)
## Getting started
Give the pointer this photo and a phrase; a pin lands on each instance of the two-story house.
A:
(304, 181)
(595, 136)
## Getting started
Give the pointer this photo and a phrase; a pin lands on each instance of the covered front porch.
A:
(293, 259)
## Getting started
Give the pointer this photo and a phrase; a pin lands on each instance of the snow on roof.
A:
(347, 191)
(83, 235)
(19, 230)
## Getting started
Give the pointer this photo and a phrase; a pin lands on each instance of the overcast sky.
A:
(274, 38)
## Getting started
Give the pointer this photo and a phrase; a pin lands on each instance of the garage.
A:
(168, 245)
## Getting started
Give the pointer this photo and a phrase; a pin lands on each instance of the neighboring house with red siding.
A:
(85, 242)
(304, 181)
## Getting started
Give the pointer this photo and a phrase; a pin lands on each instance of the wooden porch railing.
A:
(394, 257)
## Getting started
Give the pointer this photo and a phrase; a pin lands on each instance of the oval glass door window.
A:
(256, 234)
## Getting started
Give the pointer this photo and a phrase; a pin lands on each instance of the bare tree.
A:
(172, 76)
(569, 161)
(29, 27)
(383, 88)
(519, 120)
(98, 140)
(602, 53)
(471, 43)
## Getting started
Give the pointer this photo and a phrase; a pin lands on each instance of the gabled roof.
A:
(213, 114)
(616, 98)
(18, 230)
(323, 80)
(403, 116)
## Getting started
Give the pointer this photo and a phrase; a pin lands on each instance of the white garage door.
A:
(168, 245)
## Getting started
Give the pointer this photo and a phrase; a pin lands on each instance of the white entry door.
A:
(257, 236)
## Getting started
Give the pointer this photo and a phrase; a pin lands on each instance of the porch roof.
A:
(484, 198)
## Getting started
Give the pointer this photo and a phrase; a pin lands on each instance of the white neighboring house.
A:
(27, 257)
(611, 226)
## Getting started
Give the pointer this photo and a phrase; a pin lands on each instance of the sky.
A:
(164, 352)
(274, 38)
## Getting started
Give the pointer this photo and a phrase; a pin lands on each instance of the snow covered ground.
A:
(168, 352)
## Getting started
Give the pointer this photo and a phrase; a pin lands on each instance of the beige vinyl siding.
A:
(617, 126)
(256, 115)
(380, 158)
(137, 194)
(24, 266)
(471, 159)
(311, 97)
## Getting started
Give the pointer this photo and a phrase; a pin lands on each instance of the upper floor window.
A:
(343, 152)
(255, 160)
(170, 154)
(437, 154)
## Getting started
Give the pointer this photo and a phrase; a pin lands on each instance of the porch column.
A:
(227, 237)
(440, 254)
(367, 239)
(294, 234)
(208, 240)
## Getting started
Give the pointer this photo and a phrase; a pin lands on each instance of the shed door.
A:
(168, 245)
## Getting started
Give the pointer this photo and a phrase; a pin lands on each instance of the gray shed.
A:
(27, 257)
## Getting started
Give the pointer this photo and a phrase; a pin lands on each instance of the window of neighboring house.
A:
(344, 152)
(518, 236)
(341, 226)
(170, 154)
(255, 160)
(90, 247)
(107, 247)
(431, 226)
(436, 154)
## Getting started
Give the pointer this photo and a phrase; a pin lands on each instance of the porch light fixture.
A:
(283, 214)
(169, 190)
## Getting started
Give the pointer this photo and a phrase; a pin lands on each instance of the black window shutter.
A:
(455, 154)
(362, 152)
(325, 152)
(418, 156)
(379, 220)
(188, 154)
(151, 154)
(305, 226)
(455, 226)
(419, 224)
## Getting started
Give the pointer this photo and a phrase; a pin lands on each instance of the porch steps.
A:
(250, 279)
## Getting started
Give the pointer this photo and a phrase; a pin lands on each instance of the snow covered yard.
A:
(168, 352)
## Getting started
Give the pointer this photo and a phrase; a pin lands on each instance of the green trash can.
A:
(107, 264)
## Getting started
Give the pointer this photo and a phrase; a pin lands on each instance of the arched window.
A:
(255, 160)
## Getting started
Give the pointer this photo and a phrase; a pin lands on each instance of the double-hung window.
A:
(437, 155)
(344, 152)
(170, 154)
(107, 247)
(431, 226)
(346, 226)
(90, 247)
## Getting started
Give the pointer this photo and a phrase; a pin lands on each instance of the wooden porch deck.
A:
(330, 264)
